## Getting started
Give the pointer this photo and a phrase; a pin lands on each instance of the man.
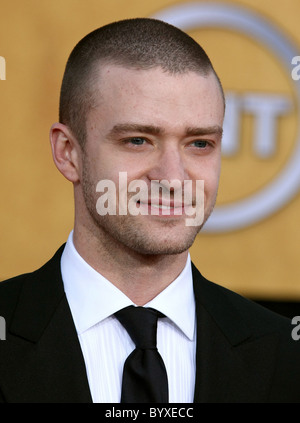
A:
(139, 99)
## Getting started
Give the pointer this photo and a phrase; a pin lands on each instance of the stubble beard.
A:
(136, 233)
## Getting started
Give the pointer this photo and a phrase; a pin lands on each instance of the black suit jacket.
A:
(244, 352)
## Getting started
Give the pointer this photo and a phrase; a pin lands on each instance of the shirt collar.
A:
(177, 301)
(93, 298)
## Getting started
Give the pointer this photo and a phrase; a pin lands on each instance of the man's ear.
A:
(65, 151)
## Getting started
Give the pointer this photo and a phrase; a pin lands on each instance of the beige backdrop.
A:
(36, 211)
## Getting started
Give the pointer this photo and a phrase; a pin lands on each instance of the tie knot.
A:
(141, 325)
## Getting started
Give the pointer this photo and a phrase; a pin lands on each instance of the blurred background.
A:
(251, 243)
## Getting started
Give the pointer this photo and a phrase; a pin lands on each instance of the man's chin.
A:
(170, 244)
(163, 245)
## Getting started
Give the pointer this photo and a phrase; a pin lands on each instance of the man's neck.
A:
(139, 277)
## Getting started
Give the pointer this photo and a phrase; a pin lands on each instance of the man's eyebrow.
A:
(124, 128)
(210, 130)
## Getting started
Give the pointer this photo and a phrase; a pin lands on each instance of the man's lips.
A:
(166, 206)
(162, 202)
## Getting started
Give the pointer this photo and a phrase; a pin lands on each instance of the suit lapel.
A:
(234, 364)
(43, 347)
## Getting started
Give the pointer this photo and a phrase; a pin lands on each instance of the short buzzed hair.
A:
(140, 43)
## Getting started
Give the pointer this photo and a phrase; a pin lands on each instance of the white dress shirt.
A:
(106, 344)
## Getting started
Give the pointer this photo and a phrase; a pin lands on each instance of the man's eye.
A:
(137, 141)
(200, 144)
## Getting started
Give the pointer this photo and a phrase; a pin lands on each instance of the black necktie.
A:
(144, 375)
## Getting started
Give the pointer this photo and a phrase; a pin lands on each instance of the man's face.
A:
(155, 127)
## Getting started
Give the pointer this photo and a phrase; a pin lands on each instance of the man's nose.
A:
(169, 165)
